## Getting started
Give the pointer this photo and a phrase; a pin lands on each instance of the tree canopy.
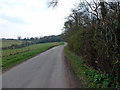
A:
(92, 31)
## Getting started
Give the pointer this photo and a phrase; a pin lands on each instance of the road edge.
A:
(71, 77)
(3, 71)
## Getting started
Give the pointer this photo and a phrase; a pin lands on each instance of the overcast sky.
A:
(31, 18)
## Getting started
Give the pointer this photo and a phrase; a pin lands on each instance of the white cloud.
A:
(30, 18)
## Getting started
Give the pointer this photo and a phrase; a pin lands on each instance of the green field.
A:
(11, 57)
(7, 43)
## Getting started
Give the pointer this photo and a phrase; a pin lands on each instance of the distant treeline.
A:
(45, 39)
(33, 40)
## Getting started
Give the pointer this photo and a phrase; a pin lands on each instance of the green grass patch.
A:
(90, 77)
(7, 43)
(11, 57)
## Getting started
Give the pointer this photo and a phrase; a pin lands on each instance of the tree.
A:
(24, 39)
(53, 3)
(19, 37)
(92, 31)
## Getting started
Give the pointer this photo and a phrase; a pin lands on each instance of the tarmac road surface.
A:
(45, 70)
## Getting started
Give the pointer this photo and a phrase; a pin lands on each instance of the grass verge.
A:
(11, 57)
(90, 77)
